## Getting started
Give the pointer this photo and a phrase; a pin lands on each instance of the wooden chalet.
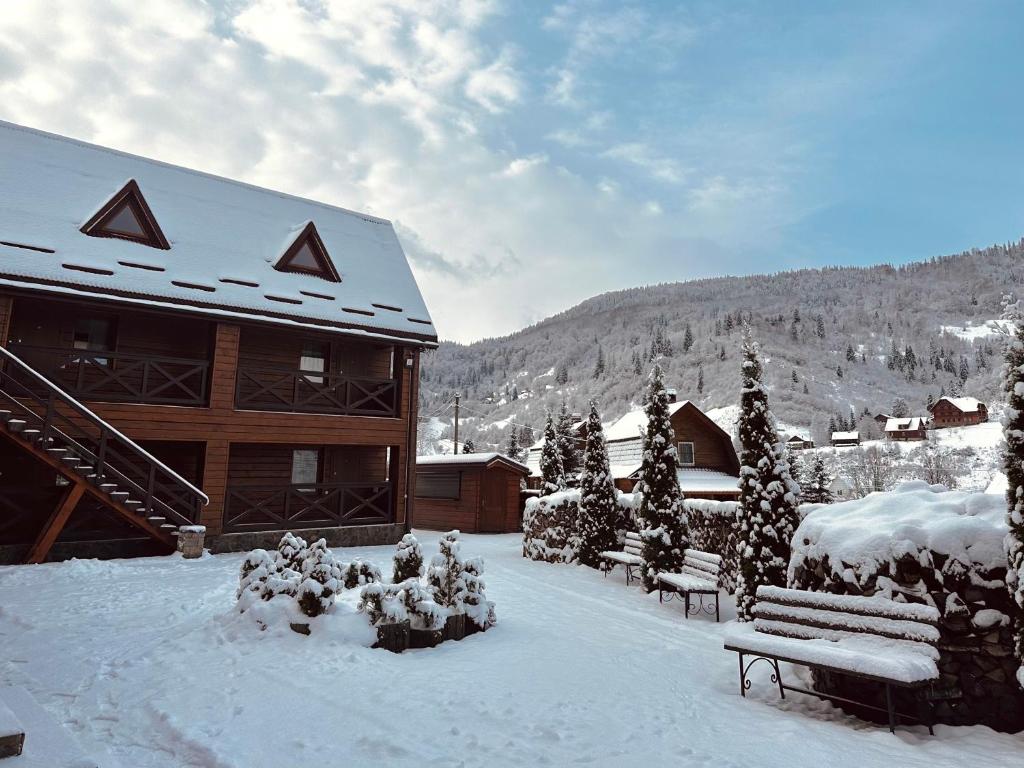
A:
(797, 443)
(708, 465)
(182, 349)
(845, 439)
(472, 492)
(957, 412)
(910, 428)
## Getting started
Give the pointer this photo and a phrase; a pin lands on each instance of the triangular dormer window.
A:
(127, 216)
(308, 256)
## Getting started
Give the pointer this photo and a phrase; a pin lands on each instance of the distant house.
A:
(911, 428)
(797, 443)
(708, 465)
(845, 439)
(882, 418)
(958, 412)
(841, 488)
(473, 492)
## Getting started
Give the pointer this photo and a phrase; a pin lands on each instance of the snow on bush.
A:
(445, 574)
(382, 605)
(358, 572)
(1013, 463)
(419, 604)
(321, 580)
(478, 608)
(925, 544)
(550, 526)
(408, 559)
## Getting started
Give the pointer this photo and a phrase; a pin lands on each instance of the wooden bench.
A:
(700, 576)
(631, 556)
(871, 638)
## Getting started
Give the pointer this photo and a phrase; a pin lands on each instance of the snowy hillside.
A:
(835, 340)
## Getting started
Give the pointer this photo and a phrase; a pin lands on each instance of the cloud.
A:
(640, 155)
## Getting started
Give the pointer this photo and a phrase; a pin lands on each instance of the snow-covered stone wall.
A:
(712, 526)
(551, 525)
(925, 544)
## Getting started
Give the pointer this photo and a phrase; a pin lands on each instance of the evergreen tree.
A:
(768, 496)
(819, 327)
(817, 488)
(700, 380)
(687, 339)
(568, 444)
(663, 528)
(851, 356)
(1013, 463)
(552, 474)
(599, 509)
(599, 364)
(408, 560)
(562, 374)
(512, 449)
(839, 371)
(469, 447)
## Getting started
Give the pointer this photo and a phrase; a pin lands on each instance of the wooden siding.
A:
(945, 414)
(260, 348)
(447, 514)
(710, 449)
(488, 502)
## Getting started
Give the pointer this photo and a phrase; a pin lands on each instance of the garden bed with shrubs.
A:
(304, 586)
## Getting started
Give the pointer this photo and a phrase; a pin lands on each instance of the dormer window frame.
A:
(310, 238)
(130, 197)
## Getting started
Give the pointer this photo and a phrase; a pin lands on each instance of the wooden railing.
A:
(277, 389)
(63, 422)
(120, 378)
(321, 505)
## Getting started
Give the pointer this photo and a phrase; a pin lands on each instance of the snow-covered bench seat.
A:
(872, 638)
(700, 577)
(630, 556)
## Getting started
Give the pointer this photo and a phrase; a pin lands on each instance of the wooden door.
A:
(493, 501)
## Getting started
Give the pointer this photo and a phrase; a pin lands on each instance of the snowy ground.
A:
(144, 662)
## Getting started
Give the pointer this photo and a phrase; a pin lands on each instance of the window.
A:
(439, 485)
(308, 255)
(685, 451)
(94, 334)
(127, 216)
(305, 466)
(314, 359)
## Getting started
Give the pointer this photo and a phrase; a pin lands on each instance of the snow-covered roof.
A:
(911, 424)
(634, 424)
(469, 459)
(218, 230)
(964, 404)
(845, 436)
(694, 480)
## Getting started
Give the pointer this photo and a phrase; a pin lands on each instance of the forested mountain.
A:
(835, 341)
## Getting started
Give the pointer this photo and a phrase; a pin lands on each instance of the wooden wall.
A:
(468, 513)
(261, 347)
(710, 449)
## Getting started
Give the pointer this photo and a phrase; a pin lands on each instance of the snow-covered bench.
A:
(872, 638)
(630, 556)
(699, 577)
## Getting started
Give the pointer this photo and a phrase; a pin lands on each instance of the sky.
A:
(534, 154)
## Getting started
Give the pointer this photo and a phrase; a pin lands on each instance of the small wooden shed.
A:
(473, 492)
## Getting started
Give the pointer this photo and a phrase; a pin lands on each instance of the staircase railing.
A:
(63, 422)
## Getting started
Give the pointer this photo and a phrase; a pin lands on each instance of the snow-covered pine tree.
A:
(321, 580)
(768, 516)
(551, 472)
(469, 447)
(817, 486)
(445, 574)
(663, 528)
(599, 508)
(568, 445)
(408, 560)
(1013, 463)
(512, 449)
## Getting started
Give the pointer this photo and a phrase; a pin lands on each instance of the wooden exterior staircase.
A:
(93, 457)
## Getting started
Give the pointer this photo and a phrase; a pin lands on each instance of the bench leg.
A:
(778, 679)
(686, 598)
(660, 593)
(743, 678)
(716, 608)
(890, 709)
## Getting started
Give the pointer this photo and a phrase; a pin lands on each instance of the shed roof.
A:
(225, 238)
(846, 435)
(471, 460)
(963, 404)
(911, 424)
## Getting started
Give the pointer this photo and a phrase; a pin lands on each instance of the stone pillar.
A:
(190, 541)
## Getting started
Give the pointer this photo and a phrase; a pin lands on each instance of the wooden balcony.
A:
(280, 389)
(114, 377)
(321, 505)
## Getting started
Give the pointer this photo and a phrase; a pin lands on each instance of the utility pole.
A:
(456, 423)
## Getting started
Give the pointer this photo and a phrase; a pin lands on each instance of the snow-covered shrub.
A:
(445, 574)
(768, 495)
(713, 527)
(599, 517)
(663, 524)
(478, 608)
(408, 559)
(550, 525)
(291, 551)
(419, 604)
(257, 568)
(816, 487)
(382, 605)
(321, 580)
(924, 544)
(360, 572)
(551, 469)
